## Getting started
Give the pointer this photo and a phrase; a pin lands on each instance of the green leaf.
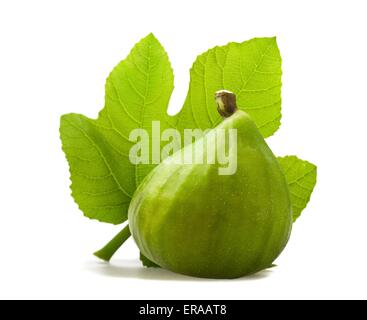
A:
(301, 176)
(137, 92)
(146, 262)
(251, 69)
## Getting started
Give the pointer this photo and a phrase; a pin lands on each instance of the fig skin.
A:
(193, 221)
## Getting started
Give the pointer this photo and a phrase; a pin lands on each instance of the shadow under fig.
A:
(133, 269)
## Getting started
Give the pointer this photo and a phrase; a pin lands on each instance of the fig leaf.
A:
(251, 70)
(147, 263)
(301, 177)
(137, 93)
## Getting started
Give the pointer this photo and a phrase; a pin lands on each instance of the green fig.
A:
(190, 219)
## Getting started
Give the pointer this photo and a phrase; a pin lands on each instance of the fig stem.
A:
(226, 103)
(110, 248)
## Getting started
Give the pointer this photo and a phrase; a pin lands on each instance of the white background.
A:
(54, 59)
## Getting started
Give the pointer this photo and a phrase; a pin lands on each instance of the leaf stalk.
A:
(110, 248)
